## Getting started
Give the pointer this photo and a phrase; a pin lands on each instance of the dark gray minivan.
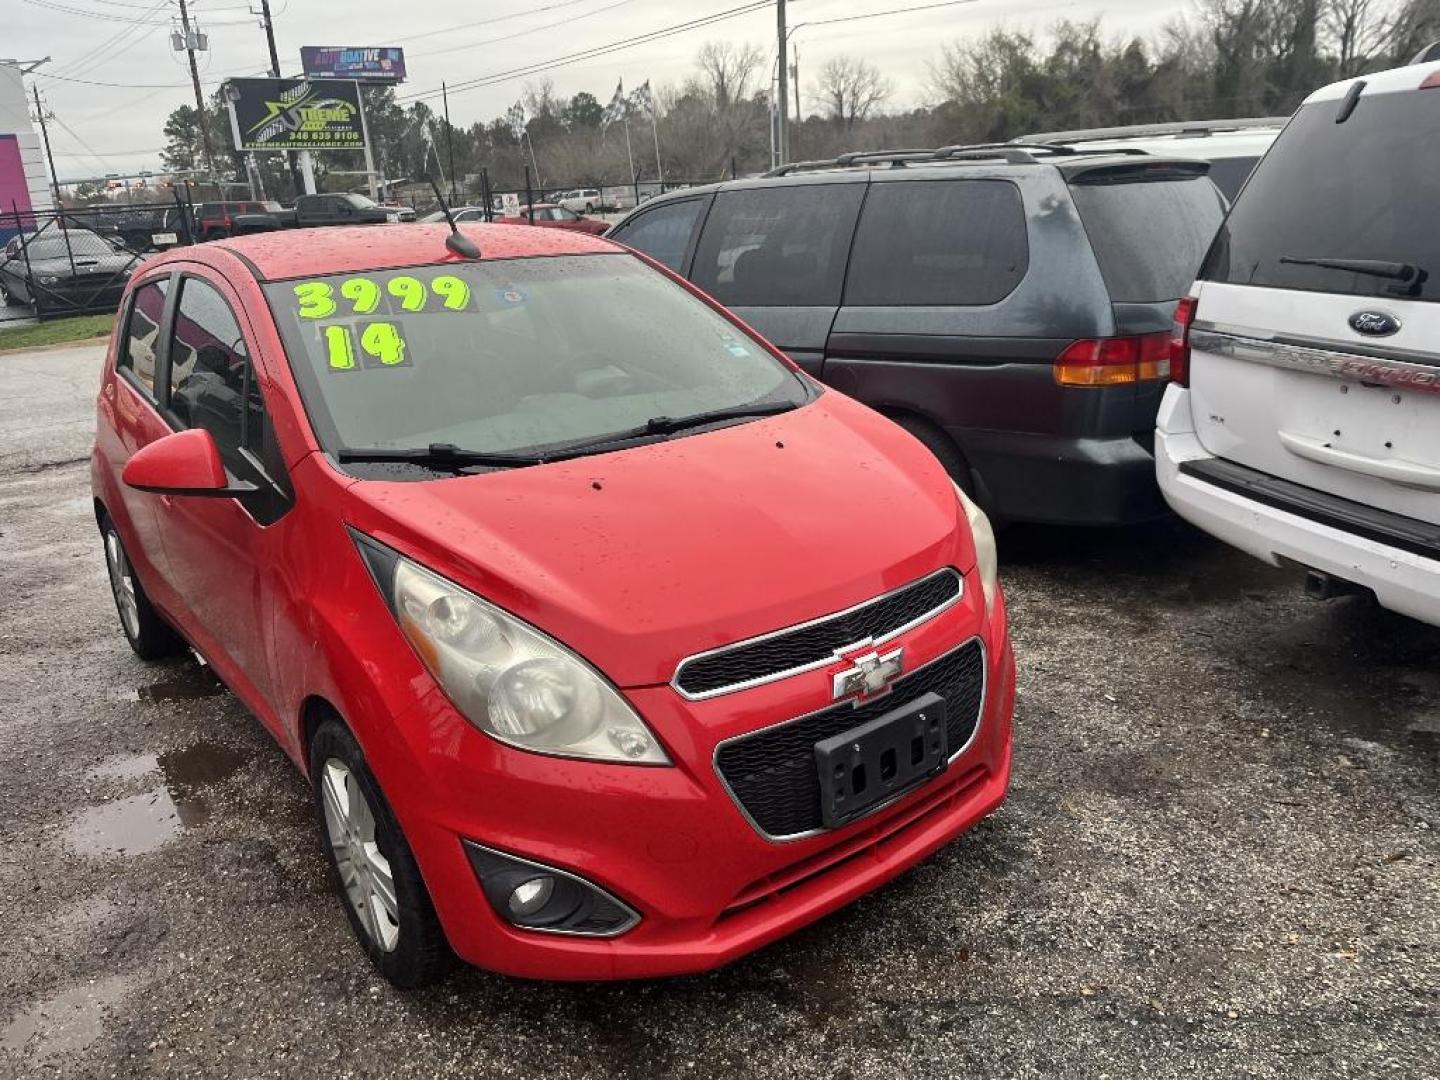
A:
(1010, 306)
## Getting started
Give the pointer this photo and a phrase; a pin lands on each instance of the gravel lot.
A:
(1219, 857)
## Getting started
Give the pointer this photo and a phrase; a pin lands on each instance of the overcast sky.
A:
(117, 128)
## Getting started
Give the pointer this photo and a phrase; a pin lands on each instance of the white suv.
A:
(1304, 423)
(1233, 147)
(581, 200)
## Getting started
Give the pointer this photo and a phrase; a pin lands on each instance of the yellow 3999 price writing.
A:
(363, 296)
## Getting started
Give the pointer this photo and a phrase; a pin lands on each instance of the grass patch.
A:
(57, 332)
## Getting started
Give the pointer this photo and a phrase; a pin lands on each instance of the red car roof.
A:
(346, 249)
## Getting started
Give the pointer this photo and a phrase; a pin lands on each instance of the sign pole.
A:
(369, 157)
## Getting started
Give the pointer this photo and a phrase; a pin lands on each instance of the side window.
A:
(209, 370)
(664, 233)
(778, 246)
(138, 347)
(939, 242)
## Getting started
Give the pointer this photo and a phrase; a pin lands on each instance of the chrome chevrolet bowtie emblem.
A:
(871, 674)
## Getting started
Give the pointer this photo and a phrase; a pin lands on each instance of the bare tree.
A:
(727, 70)
(1357, 30)
(852, 89)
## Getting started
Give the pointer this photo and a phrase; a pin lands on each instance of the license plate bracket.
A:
(871, 764)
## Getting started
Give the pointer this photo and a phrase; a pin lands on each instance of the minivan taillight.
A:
(1180, 341)
(1114, 361)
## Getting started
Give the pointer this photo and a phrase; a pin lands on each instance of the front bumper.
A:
(1401, 580)
(671, 842)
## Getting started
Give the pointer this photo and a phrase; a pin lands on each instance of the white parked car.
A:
(1233, 147)
(1304, 424)
(581, 200)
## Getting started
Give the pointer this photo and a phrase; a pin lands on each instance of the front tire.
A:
(148, 634)
(371, 866)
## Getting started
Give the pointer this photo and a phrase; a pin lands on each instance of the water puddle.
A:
(140, 823)
(184, 682)
(68, 1021)
(130, 826)
(198, 765)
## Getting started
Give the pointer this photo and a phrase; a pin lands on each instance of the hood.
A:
(639, 558)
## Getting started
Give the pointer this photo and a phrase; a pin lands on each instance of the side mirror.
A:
(184, 463)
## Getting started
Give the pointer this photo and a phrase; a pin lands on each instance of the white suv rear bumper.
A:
(1401, 580)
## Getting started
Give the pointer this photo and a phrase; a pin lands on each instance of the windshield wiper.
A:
(1373, 267)
(667, 425)
(439, 456)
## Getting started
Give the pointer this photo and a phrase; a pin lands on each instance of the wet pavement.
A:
(1219, 858)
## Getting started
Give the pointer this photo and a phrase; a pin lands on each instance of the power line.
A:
(522, 33)
(892, 11)
(48, 5)
(592, 53)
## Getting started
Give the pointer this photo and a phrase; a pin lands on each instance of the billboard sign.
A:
(295, 114)
(385, 65)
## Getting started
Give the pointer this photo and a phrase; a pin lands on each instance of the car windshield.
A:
(514, 356)
(80, 244)
(364, 202)
(1327, 192)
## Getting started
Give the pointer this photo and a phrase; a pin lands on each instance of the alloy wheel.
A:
(122, 583)
(364, 870)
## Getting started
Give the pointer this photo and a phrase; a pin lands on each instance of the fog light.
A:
(530, 896)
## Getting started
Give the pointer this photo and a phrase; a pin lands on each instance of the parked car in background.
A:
(60, 271)
(1304, 422)
(345, 208)
(550, 216)
(548, 573)
(1010, 306)
(214, 220)
(1232, 147)
(461, 213)
(580, 200)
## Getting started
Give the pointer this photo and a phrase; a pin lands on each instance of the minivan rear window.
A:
(1149, 235)
(940, 242)
(1364, 189)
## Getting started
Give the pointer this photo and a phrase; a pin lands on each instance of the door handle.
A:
(1396, 470)
(167, 501)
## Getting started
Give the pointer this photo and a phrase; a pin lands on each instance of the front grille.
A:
(772, 773)
(818, 642)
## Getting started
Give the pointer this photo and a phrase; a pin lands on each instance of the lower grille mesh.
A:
(772, 772)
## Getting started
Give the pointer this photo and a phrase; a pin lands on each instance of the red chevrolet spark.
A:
(612, 645)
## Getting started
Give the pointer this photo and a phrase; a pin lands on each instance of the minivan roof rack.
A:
(1010, 153)
(1181, 128)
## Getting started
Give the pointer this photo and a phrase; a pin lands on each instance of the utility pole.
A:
(795, 78)
(449, 138)
(268, 24)
(782, 139)
(199, 96)
(45, 138)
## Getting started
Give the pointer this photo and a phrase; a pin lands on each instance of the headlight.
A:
(506, 677)
(987, 561)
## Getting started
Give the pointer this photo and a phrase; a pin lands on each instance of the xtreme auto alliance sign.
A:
(295, 114)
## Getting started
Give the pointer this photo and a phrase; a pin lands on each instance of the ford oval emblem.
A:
(1374, 323)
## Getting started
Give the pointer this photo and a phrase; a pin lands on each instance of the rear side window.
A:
(778, 246)
(664, 232)
(1149, 235)
(137, 350)
(1230, 174)
(1365, 189)
(939, 242)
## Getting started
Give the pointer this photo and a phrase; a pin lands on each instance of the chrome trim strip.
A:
(627, 926)
(974, 733)
(1396, 374)
(836, 655)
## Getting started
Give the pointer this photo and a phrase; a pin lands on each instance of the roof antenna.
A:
(457, 242)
